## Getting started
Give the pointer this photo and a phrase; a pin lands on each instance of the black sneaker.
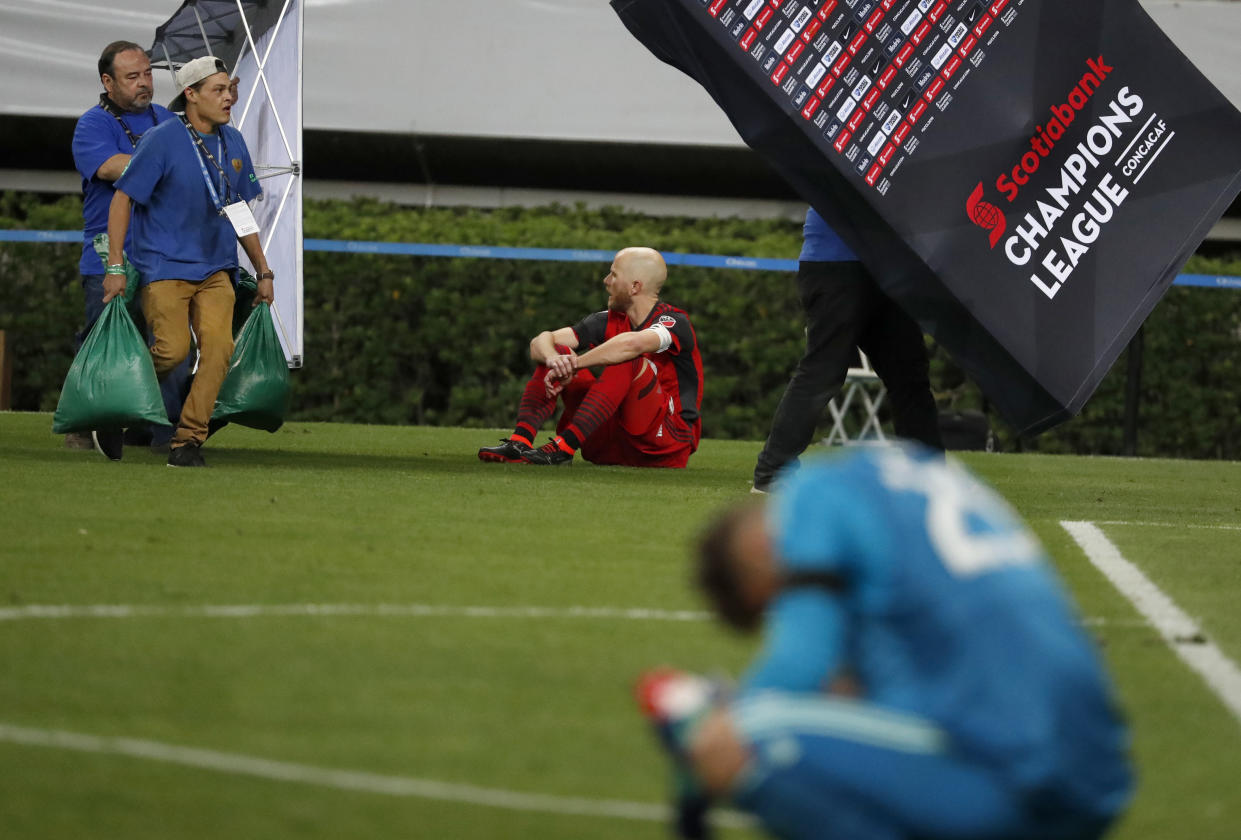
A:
(110, 443)
(138, 436)
(214, 425)
(186, 455)
(508, 452)
(549, 455)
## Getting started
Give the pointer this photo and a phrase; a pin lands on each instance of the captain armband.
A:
(665, 337)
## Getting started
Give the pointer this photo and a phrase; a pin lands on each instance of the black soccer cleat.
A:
(508, 452)
(109, 443)
(549, 455)
(186, 455)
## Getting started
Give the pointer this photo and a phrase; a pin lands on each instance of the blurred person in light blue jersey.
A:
(922, 677)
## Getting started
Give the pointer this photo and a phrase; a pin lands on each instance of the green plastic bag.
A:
(255, 392)
(245, 289)
(100, 244)
(111, 383)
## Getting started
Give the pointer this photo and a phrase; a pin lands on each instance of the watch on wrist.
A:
(267, 275)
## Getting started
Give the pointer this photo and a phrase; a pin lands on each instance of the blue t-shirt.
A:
(822, 244)
(97, 137)
(179, 233)
(948, 609)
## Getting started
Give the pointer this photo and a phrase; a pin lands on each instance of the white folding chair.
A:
(863, 395)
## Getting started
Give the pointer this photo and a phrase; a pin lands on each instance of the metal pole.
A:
(6, 374)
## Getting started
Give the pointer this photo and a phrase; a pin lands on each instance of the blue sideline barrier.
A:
(489, 252)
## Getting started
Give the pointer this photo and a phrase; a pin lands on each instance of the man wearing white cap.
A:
(188, 184)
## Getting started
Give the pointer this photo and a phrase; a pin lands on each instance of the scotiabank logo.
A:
(1060, 117)
(986, 215)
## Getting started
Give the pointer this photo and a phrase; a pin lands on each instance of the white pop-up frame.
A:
(263, 45)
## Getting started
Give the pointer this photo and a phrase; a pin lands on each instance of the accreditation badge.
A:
(243, 220)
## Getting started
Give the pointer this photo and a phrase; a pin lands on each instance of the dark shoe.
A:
(110, 444)
(548, 455)
(138, 436)
(214, 425)
(79, 441)
(186, 455)
(508, 452)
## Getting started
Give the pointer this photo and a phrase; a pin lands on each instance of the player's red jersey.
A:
(679, 366)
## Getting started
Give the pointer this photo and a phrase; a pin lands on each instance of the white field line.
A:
(1169, 525)
(352, 780)
(90, 611)
(1180, 631)
(61, 611)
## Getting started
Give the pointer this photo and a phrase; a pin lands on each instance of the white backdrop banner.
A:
(269, 115)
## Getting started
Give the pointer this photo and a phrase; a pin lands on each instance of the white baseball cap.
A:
(193, 72)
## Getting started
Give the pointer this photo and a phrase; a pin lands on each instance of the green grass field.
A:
(472, 724)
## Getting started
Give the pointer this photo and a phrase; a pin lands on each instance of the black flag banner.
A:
(1024, 177)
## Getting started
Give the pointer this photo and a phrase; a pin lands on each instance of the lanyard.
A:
(222, 147)
(107, 104)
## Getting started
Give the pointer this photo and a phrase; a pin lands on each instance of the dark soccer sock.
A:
(536, 408)
(600, 403)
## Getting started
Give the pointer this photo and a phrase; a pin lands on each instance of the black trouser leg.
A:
(893, 342)
(836, 298)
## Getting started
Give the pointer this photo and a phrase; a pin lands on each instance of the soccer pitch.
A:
(362, 631)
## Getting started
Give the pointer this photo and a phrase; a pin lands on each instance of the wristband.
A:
(115, 269)
(267, 275)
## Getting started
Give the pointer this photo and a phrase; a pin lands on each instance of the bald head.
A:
(645, 265)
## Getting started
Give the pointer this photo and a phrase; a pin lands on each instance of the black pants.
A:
(846, 310)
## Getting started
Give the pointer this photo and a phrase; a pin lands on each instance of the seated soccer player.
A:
(922, 676)
(642, 410)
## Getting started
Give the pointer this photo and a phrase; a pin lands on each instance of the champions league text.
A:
(1062, 226)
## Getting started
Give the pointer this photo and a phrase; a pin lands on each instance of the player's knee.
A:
(168, 352)
(718, 754)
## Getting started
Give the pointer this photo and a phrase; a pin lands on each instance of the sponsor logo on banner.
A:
(1072, 205)
(986, 215)
(1045, 137)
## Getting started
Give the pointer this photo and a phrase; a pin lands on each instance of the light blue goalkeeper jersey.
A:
(946, 607)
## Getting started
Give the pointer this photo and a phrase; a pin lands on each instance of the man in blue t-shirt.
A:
(104, 140)
(845, 310)
(188, 186)
(922, 673)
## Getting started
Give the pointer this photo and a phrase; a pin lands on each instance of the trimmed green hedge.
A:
(444, 341)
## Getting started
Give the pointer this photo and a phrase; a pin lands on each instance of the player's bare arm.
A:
(621, 348)
(543, 346)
